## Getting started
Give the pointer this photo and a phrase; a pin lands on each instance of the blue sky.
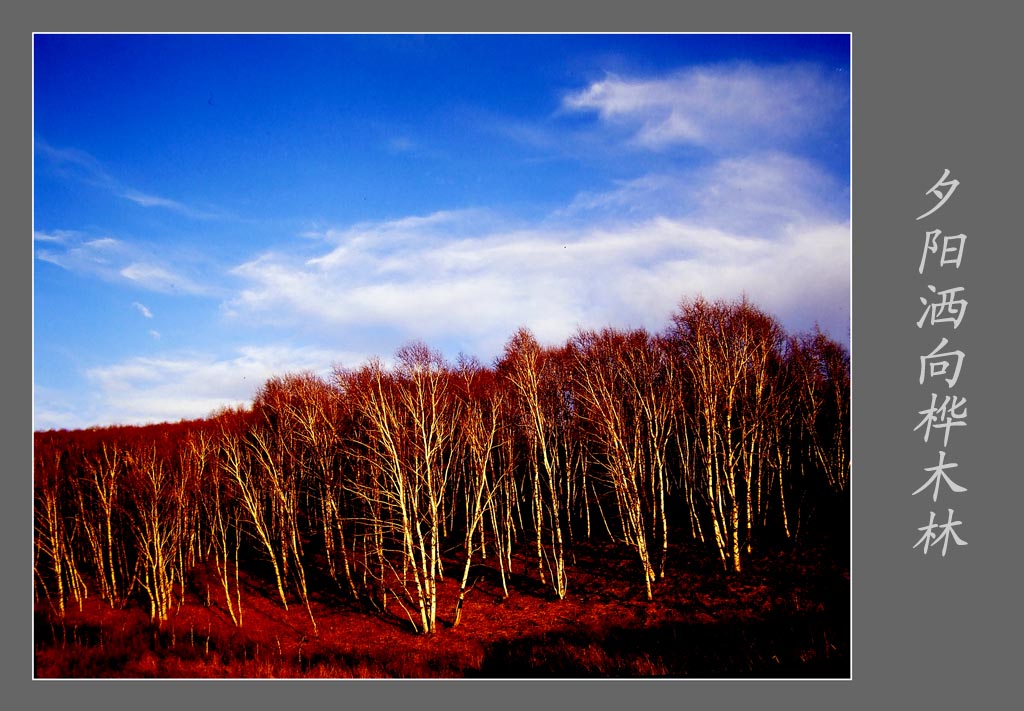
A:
(211, 210)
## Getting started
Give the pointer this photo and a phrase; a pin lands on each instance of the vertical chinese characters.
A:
(944, 308)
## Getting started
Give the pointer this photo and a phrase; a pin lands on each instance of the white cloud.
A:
(53, 409)
(143, 390)
(157, 278)
(77, 252)
(713, 106)
(760, 226)
(57, 236)
(114, 260)
(142, 309)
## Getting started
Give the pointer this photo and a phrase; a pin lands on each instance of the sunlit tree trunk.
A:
(250, 493)
(52, 539)
(480, 427)
(410, 430)
(529, 371)
(283, 490)
(221, 513)
(99, 505)
(625, 383)
(156, 496)
(728, 351)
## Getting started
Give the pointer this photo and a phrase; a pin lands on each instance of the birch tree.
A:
(155, 495)
(822, 373)
(625, 382)
(725, 349)
(482, 430)
(252, 497)
(410, 426)
(59, 575)
(100, 506)
(528, 370)
(272, 442)
(221, 513)
(313, 410)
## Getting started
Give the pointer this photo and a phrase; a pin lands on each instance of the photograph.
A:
(448, 355)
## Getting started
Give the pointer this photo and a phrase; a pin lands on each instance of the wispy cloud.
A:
(146, 200)
(714, 106)
(157, 278)
(77, 164)
(142, 309)
(76, 251)
(770, 190)
(401, 144)
(759, 193)
(57, 236)
(80, 165)
(115, 260)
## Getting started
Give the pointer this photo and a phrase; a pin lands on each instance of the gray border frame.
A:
(934, 87)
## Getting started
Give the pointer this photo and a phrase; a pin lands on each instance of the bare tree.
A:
(99, 500)
(60, 577)
(542, 419)
(482, 405)
(726, 350)
(273, 442)
(410, 427)
(822, 371)
(221, 513)
(156, 495)
(312, 411)
(625, 382)
(722, 419)
(252, 497)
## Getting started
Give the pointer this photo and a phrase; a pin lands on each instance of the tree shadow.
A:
(789, 646)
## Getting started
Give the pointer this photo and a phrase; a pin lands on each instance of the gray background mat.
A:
(934, 87)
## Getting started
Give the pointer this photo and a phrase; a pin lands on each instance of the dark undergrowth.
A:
(786, 615)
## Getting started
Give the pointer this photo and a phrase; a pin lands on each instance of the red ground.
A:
(786, 615)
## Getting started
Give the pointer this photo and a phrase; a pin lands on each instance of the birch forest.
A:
(379, 486)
